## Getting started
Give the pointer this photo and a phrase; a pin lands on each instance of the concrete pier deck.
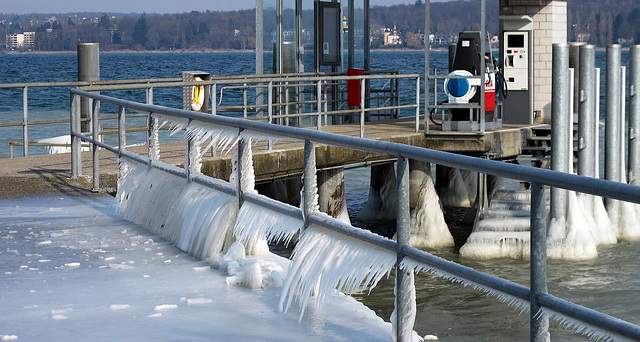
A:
(47, 174)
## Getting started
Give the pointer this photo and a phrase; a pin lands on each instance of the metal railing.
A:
(289, 97)
(536, 296)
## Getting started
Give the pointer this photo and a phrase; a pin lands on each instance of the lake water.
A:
(609, 284)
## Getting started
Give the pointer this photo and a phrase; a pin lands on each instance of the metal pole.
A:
(244, 101)
(299, 45)
(239, 175)
(596, 167)
(310, 202)
(560, 125)
(214, 98)
(122, 138)
(427, 61)
(586, 111)
(152, 132)
(351, 35)
(88, 70)
(404, 279)
(612, 126)
(483, 68)
(623, 95)
(362, 107)
(417, 104)
(25, 121)
(319, 103)
(634, 114)
(279, 38)
(95, 120)
(539, 324)
(367, 45)
(259, 54)
(76, 144)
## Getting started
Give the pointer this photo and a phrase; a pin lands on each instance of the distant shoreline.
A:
(185, 51)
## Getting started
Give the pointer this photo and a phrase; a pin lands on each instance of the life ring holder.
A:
(197, 95)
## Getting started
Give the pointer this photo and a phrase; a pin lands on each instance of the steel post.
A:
(153, 142)
(587, 121)
(483, 69)
(427, 61)
(25, 121)
(319, 104)
(612, 126)
(597, 126)
(122, 137)
(76, 143)
(259, 54)
(623, 100)
(351, 35)
(404, 278)
(95, 121)
(367, 44)
(539, 324)
(362, 107)
(634, 115)
(560, 125)
(213, 90)
(417, 104)
(310, 202)
(88, 70)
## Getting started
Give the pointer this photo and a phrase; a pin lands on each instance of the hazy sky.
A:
(150, 6)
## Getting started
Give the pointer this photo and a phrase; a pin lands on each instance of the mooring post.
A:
(539, 324)
(76, 143)
(560, 128)
(310, 200)
(95, 121)
(586, 111)
(612, 126)
(88, 70)
(634, 114)
(405, 304)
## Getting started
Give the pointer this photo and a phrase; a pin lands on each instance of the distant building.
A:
(391, 36)
(20, 40)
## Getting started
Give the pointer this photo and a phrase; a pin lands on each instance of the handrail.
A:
(538, 177)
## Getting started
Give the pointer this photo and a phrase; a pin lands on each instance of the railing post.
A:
(417, 104)
(404, 301)
(25, 121)
(240, 171)
(152, 132)
(362, 107)
(95, 128)
(244, 101)
(270, 102)
(634, 115)
(122, 137)
(623, 99)
(560, 125)
(310, 194)
(76, 143)
(319, 104)
(286, 103)
(612, 126)
(539, 323)
(586, 111)
(214, 99)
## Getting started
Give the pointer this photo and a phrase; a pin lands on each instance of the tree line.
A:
(599, 22)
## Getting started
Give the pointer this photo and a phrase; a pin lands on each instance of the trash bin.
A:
(353, 87)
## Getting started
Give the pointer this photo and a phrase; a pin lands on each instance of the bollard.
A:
(88, 70)
(634, 114)
(612, 126)
(560, 128)
(587, 121)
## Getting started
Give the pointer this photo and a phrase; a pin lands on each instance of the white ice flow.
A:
(122, 286)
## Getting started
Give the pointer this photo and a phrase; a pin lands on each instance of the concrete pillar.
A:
(331, 194)
(88, 70)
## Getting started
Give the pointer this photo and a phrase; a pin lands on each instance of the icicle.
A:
(596, 216)
(460, 188)
(409, 307)
(256, 222)
(325, 260)
(177, 124)
(195, 218)
(582, 328)
(410, 264)
(258, 136)
(223, 137)
(428, 227)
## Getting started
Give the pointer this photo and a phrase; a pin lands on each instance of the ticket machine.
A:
(516, 63)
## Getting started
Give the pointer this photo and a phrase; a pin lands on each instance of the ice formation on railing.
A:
(409, 264)
(257, 222)
(583, 328)
(324, 261)
(164, 204)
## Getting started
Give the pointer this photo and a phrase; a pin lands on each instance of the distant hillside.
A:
(599, 22)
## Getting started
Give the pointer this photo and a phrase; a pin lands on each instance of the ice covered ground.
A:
(72, 270)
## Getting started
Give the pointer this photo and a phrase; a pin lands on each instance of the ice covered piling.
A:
(428, 227)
